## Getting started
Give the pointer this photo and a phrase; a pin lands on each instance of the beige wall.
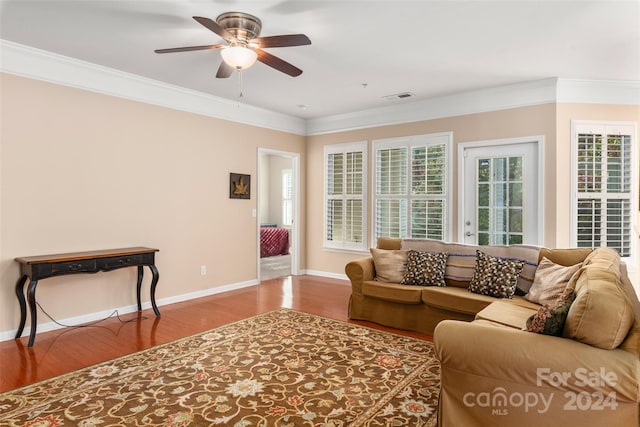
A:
(81, 171)
(514, 123)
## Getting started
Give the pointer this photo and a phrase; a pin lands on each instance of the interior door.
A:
(501, 197)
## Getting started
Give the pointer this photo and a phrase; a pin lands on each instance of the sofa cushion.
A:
(390, 264)
(494, 276)
(455, 299)
(601, 315)
(550, 319)
(425, 268)
(506, 313)
(550, 280)
(392, 292)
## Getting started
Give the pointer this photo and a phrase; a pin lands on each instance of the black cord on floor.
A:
(84, 325)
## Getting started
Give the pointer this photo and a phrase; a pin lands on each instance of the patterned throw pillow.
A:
(495, 277)
(549, 282)
(549, 320)
(425, 268)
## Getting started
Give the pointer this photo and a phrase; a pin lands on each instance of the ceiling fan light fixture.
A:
(239, 57)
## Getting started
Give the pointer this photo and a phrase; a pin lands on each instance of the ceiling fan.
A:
(244, 46)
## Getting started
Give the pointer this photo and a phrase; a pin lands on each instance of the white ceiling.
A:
(430, 48)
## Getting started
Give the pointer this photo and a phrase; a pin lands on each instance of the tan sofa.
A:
(420, 309)
(496, 374)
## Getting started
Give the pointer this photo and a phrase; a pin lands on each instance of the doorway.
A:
(500, 200)
(277, 214)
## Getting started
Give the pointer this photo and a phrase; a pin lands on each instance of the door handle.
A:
(468, 233)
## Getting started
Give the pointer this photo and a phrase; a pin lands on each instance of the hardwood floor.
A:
(65, 350)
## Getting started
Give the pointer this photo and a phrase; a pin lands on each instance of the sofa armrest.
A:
(518, 357)
(359, 271)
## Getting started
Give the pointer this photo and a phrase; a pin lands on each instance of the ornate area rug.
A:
(282, 368)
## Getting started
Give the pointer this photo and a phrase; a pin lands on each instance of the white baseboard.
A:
(325, 274)
(92, 317)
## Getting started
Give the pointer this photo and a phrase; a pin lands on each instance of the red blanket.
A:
(273, 241)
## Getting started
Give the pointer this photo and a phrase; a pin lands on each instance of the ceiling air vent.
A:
(397, 96)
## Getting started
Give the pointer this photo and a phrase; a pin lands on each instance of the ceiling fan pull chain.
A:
(240, 81)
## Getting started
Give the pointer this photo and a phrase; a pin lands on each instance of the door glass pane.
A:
(483, 195)
(515, 169)
(499, 169)
(499, 210)
(515, 194)
(483, 170)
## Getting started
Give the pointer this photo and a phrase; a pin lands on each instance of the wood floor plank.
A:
(65, 350)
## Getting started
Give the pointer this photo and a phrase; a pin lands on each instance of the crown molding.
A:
(476, 101)
(483, 100)
(38, 64)
(598, 92)
(46, 66)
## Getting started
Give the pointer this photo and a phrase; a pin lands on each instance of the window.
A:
(602, 179)
(287, 197)
(345, 190)
(412, 195)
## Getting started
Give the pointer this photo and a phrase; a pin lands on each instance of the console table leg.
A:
(23, 304)
(31, 299)
(154, 283)
(139, 286)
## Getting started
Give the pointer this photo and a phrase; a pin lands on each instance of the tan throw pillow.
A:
(549, 282)
(390, 264)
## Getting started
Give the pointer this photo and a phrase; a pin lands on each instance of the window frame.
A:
(606, 128)
(350, 147)
(410, 142)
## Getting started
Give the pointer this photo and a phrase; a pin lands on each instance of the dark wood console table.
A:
(42, 267)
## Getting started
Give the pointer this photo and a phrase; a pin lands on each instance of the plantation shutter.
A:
(411, 187)
(603, 215)
(345, 195)
(391, 192)
(428, 188)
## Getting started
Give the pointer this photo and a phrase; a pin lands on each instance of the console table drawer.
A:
(125, 261)
(79, 266)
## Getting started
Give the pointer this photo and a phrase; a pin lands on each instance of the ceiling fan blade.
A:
(216, 28)
(282, 40)
(189, 48)
(224, 71)
(277, 63)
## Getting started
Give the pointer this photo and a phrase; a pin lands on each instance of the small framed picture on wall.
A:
(239, 186)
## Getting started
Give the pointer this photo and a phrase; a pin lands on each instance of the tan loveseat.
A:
(496, 374)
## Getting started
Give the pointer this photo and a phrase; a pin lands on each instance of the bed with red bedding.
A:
(274, 241)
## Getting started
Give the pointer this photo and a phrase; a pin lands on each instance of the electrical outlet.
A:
(203, 270)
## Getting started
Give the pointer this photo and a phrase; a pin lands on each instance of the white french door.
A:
(500, 194)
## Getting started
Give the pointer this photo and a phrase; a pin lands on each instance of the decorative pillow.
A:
(549, 282)
(495, 277)
(425, 268)
(390, 264)
(550, 320)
